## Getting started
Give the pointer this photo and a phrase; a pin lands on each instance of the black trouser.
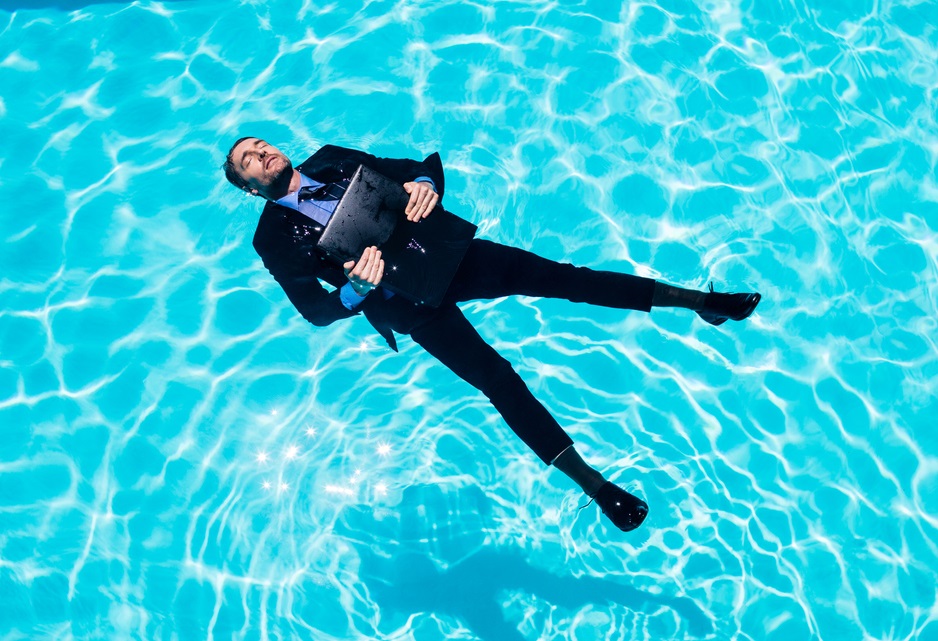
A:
(490, 270)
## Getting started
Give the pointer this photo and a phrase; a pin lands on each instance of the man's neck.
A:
(294, 182)
(293, 186)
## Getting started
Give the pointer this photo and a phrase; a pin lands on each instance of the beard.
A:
(280, 184)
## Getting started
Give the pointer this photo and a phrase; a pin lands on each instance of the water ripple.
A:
(182, 456)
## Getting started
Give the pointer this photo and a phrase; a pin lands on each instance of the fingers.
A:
(422, 201)
(421, 209)
(369, 269)
(414, 192)
(364, 264)
(370, 272)
(434, 199)
(427, 203)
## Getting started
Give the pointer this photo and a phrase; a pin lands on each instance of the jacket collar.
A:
(326, 165)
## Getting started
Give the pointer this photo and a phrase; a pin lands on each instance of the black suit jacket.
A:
(286, 239)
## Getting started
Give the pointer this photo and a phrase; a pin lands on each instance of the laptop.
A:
(420, 259)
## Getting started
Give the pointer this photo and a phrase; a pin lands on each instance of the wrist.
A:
(362, 289)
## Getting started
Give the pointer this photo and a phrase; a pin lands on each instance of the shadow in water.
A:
(62, 5)
(470, 591)
(411, 574)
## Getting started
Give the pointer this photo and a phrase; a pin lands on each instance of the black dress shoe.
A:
(719, 308)
(625, 510)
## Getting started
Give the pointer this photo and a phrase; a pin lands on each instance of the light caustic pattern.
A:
(183, 457)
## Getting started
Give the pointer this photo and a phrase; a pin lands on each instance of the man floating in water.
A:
(301, 200)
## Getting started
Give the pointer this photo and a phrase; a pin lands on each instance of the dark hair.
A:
(230, 172)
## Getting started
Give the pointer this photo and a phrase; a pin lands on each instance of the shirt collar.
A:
(292, 200)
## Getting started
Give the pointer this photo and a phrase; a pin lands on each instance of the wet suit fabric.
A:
(286, 242)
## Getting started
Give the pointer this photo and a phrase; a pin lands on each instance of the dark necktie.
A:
(329, 191)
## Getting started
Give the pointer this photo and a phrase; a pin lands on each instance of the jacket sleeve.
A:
(296, 272)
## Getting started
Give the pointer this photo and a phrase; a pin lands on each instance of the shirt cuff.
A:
(349, 297)
(426, 179)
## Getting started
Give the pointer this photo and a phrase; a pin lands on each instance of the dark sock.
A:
(671, 296)
(570, 463)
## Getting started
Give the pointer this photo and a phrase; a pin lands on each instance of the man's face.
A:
(263, 167)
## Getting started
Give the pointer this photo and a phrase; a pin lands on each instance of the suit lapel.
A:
(329, 164)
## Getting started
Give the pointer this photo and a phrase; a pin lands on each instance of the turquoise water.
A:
(183, 457)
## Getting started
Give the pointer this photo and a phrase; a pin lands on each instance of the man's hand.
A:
(365, 274)
(422, 200)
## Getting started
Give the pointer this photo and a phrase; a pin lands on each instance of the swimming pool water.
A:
(183, 457)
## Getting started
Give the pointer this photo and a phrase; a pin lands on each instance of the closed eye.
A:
(246, 157)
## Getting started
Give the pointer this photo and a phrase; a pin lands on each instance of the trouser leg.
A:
(671, 296)
(580, 472)
(491, 270)
(454, 342)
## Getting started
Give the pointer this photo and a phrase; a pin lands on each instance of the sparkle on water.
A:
(183, 457)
